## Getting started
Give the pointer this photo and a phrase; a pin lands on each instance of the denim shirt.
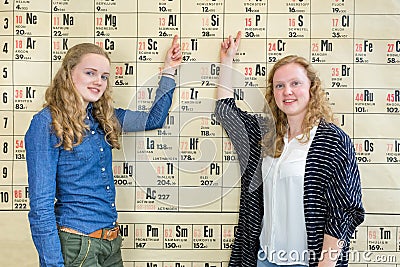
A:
(76, 188)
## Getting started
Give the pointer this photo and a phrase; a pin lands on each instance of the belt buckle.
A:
(109, 234)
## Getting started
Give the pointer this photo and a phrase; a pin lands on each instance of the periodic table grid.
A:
(178, 185)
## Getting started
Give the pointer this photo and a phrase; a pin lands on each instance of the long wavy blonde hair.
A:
(66, 106)
(318, 108)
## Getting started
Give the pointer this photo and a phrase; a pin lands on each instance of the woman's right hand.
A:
(229, 48)
(173, 58)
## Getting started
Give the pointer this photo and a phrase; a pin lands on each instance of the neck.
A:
(295, 128)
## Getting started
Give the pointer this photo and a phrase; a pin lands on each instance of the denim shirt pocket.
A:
(84, 151)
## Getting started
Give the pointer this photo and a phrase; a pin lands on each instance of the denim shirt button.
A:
(113, 223)
(113, 204)
(93, 132)
(101, 149)
(103, 169)
(108, 187)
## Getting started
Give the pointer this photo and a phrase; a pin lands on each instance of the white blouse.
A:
(283, 237)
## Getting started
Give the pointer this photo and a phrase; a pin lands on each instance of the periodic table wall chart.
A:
(177, 187)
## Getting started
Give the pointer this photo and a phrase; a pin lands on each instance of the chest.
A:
(93, 148)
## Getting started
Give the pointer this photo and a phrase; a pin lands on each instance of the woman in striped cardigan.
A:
(300, 185)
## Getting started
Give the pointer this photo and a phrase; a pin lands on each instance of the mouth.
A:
(95, 90)
(289, 101)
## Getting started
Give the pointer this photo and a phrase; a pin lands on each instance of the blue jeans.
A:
(265, 263)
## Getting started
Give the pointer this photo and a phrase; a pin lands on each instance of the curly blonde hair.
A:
(318, 108)
(65, 103)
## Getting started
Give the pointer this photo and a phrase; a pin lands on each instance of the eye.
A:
(296, 83)
(89, 72)
(278, 86)
(104, 77)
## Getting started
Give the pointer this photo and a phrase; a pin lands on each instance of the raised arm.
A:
(228, 50)
(133, 121)
(242, 128)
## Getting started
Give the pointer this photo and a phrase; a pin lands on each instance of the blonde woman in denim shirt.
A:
(73, 217)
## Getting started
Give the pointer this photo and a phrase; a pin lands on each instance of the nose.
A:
(97, 79)
(287, 90)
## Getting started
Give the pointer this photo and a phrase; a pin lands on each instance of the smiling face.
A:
(90, 77)
(291, 88)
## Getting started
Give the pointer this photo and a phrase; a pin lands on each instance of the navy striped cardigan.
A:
(332, 190)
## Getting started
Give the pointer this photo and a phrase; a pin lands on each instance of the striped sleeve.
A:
(345, 210)
(244, 131)
(240, 127)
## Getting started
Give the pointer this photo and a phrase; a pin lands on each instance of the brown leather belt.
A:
(106, 234)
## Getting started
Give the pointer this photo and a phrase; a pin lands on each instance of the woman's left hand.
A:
(174, 56)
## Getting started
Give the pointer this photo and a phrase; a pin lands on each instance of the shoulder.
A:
(43, 116)
(326, 129)
(331, 135)
(119, 112)
(41, 121)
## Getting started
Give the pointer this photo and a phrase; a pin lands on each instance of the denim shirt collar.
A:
(91, 121)
(89, 110)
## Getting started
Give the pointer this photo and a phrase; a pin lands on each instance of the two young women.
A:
(300, 186)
